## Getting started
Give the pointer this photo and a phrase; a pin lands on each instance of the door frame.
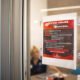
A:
(26, 39)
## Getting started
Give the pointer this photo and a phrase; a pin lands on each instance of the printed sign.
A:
(59, 40)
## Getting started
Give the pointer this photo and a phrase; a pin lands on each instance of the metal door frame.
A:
(26, 49)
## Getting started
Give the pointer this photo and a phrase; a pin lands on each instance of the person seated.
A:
(36, 63)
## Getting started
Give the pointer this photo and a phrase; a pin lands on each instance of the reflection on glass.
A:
(38, 10)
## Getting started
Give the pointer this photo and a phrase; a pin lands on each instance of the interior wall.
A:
(59, 3)
(63, 3)
(35, 18)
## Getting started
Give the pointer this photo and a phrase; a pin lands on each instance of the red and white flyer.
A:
(59, 40)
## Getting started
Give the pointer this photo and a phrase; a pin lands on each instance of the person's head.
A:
(35, 53)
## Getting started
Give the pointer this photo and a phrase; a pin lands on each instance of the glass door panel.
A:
(43, 46)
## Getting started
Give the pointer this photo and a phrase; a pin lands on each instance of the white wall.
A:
(35, 18)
